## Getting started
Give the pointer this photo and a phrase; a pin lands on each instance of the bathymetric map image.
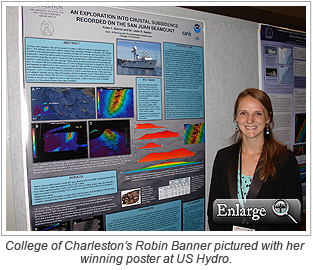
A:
(194, 133)
(62, 103)
(59, 141)
(115, 102)
(109, 138)
(284, 56)
(285, 74)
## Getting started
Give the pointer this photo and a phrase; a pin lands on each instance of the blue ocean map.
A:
(285, 75)
(285, 56)
(62, 103)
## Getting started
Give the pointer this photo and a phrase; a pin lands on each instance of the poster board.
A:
(224, 78)
(283, 73)
(116, 136)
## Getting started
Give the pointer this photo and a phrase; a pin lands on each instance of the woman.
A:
(268, 169)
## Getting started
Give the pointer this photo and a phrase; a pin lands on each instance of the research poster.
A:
(114, 108)
(283, 58)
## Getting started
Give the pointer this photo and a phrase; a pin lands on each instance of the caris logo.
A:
(185, 33)
(197, 28)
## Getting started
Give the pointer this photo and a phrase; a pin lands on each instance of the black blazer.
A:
(287, 185)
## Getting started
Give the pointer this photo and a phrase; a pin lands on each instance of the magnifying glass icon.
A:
(280, 208)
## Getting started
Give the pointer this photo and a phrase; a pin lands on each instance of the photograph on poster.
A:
(109, 138)
(62, 103)
(136, 57)
(59, 141)
(270, 50)
(115, 102)
(131, 197)
(88, 224)
(271, 72)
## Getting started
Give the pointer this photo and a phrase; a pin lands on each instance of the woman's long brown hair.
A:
(273, 151)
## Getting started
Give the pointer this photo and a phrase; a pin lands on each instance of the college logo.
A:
(46, 28)
(197, 28)
(269, 33)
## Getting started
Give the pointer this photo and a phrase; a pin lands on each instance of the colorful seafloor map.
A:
(300, 128)
(59, 141)
(62, 103)
(115, 103)
(109, 138)
(194, 133)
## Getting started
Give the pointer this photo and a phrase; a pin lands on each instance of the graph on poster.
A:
(159, 135)
(148, 125)
(150, 145)
(178, 153)
(165, 165)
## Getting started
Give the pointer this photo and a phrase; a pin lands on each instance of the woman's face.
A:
(252, 118)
